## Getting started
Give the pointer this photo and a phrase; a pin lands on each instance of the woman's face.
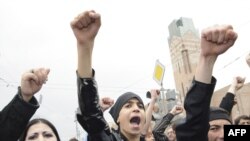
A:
(40, 132)
(132, 118)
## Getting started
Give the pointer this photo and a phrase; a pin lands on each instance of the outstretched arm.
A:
(16, 115)
(154, 94)
(85, 27)
(228, 101)
(214, 41)
(159, 128)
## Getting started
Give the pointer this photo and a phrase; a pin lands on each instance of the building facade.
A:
(184, 47)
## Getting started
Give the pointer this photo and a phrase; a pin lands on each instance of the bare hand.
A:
(106, 103)
(154, 94)
(217, 39)
(85, 26)
(238, 82)
(32, 81)
(177, 109)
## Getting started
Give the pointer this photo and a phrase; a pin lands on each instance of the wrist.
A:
(153, 100)
(232, 90)
(172, 112)
(204, 69)
(85, 45)
(25, 97)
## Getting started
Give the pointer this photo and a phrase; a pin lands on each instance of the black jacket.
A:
(194, 128)
(90, 115)
(197, 103)
(159, 128)
(227, 102)
(15, 116)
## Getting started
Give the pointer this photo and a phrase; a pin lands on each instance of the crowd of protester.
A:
(135, 120)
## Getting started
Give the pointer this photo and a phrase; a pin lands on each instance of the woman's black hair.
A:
(39, 120)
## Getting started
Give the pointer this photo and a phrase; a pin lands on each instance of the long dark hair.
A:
(39, 120)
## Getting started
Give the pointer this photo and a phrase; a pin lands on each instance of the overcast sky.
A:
(134, 33)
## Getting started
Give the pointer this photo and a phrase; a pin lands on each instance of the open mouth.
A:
(135, 120)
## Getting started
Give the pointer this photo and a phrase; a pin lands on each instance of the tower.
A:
(184, 47)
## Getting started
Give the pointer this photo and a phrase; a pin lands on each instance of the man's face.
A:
(216, 130)
(132, 118)
(244, 122)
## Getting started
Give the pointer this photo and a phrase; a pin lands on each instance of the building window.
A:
(179, 67)
(186, 61)
(179, 23)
